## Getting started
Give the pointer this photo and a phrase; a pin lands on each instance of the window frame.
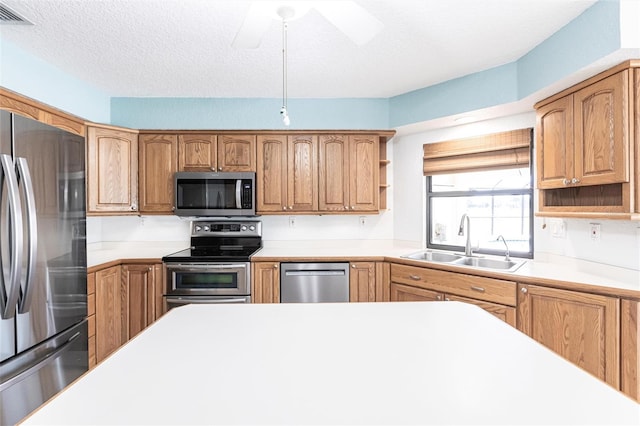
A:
(481, 193)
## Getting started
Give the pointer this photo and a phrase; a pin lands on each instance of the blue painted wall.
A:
(591, 36)
(30, 76)
(240, 113)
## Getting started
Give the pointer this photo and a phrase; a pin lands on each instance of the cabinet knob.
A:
(353, 266)
(275, 266)
(438, 297)
(353, 207)
(284, 207)
(220, 169)
(134, 207)
(346, 207)
(446, 299)
(575, 180)
(524, 290)
(566, 181)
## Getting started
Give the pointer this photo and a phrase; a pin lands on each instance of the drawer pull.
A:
(414, 277)
(478, 289)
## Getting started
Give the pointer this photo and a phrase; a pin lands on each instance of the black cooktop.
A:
(213, 254)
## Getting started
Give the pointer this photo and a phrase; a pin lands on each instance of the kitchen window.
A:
(493, 186)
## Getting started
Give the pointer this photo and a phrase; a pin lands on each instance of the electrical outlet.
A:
(292, 221)
(594, 231)
(362, 220)
(558, 228)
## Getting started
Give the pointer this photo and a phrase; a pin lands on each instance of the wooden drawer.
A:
(92, 352)
(91, 283)
(91, 304)
(481, 288)
(91, 323)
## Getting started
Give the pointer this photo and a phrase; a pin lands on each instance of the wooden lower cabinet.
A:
(139, 290)
(630, 348)
(406, 293)
(109, 336)
(126, 299)
(583, 328)
(265, 286)
(362, 282)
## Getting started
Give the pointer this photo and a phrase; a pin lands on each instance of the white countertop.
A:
(545, 266)
(350, 363)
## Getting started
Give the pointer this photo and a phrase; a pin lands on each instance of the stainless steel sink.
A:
(482, 262)
(433, 256)
(461, 260)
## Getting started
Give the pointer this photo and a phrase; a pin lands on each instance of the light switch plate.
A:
(558, 228)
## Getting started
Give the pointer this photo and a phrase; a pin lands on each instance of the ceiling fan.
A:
(349, 17)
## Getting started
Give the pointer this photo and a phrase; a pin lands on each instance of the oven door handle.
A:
(182, 267)
(203, 301)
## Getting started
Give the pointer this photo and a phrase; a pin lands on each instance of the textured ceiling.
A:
(182, 48)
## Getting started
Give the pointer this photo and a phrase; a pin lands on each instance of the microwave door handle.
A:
(9, 295)
(239, 193)
(24, 176)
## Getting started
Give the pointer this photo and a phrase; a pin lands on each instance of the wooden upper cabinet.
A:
(158, 163)
(583, 328)
(555, 143)
(333, 184)
(287, 173)
(583, 138)
(237, 153)
(112, 170)
(197, 153)
(601, 125)
(302, 177)
(363, 173)
(349, 173)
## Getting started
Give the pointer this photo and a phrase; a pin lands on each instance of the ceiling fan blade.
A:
(352, 19)
(254, 27)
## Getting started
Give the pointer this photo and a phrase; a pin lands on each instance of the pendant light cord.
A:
(284, 63)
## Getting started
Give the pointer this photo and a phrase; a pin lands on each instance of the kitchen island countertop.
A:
(356, 363)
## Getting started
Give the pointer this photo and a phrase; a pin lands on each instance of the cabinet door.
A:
(271, 175)
(333, 185)
(109, 330)
(363, 173)
(237, 153)
(91, 318)
(112, 170)
(266, 282)
(138, 289)
(158, 163)
(601, 114)
(581, 327)
(406, 293)
(630, 348)
(362, 282)
(159, 290)
(197, 153)
(554, 145)
(302, 179)
(505, 313)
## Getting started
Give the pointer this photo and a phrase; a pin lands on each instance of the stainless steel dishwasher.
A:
(314, 282)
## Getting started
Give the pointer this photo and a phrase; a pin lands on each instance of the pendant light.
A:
(285, 12)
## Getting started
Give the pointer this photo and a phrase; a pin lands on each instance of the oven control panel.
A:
(236, 228)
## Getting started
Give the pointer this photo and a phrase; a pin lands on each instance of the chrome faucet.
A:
(467, 247)
(506, 253)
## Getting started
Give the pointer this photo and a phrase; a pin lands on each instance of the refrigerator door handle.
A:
(47, 359)
(9, 294)
(24, 175)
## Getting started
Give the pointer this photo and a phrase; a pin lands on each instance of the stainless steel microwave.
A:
(215, 193)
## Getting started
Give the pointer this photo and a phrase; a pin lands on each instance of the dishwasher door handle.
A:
(325, 273)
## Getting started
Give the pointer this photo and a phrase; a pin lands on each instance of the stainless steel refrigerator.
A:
(43, 284)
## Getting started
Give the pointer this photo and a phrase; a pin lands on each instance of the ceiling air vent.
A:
(9, 17)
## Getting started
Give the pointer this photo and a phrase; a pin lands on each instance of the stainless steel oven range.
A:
(216, 268)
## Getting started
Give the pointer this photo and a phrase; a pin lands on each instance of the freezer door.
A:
(55, 296)
(7, 326)
(33, 377)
